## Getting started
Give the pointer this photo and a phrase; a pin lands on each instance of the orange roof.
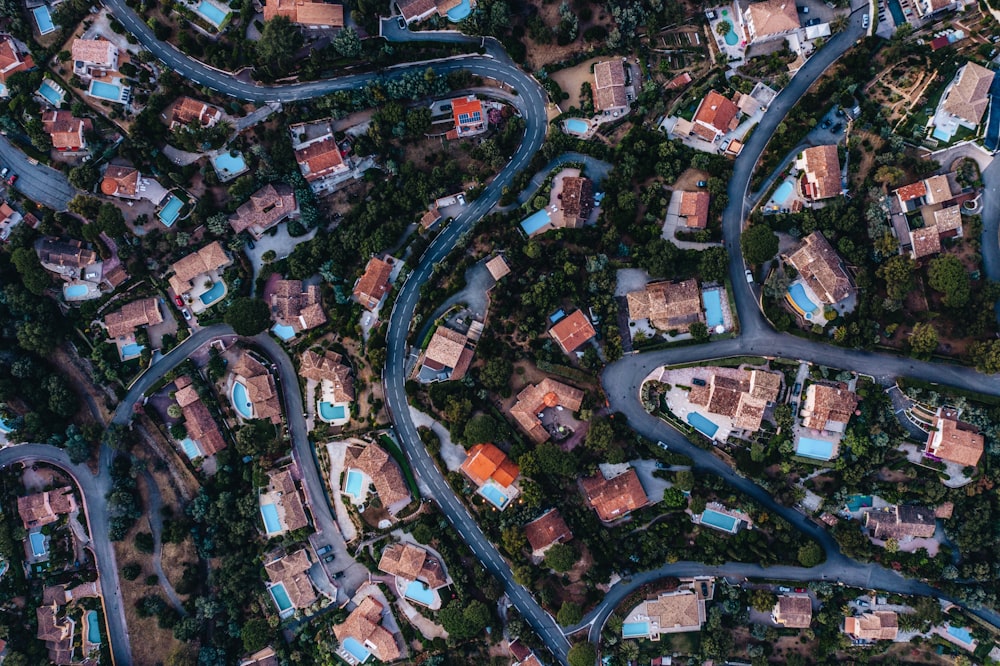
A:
(319, 159)
(65, 129)
(956, 442)
(911, 191)
(11, 61)
(485, 462)
(694, 209)
(717, 112)
(467, 106)
(306, 13)
(547, 529)
(573, 331)
(120, 181)
(374, 283)
(615, 497)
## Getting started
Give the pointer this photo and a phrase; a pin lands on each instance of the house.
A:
(66, 130)
(935, 189)
(485, 462)
(56, 632)
(413, 563)
(673, 612)
(821, 269)
(615, 497)
(12, 60)
(9, 218)
(188, 110)
(364, 626)
(955, 442)
(927, 7)
(266, 208)
(319, 160)
(121, 181)
(40, 509)
(716, 116)
(373, 284)
(498, 268)
(965, 100)
(901, 522)
(669, 306)
(264, 657)
(820, 166)
(329, 368)
(535, 398)
(875, 626)
(741, 395)
(576, 201)
(291, 572)
(287, 498)
(196, 265)
(679, 81)
(418, 10)
(609, 87)
(93, 57)
(469, 117)
(572, 332)
(793, 611)
(123, 322)
(546, 531)
(694, 209)
(828, 406)
(265, 403)
(313, 15)
(769, 20)
(66, 258)
(947, 223)
(375, 463)
(522, 654)
(296, 306)
(201, 426)
(447, 357)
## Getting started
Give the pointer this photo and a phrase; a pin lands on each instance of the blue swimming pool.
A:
(784, 191)
(460, 12)
(703, 425)
(719, 521)
(731, 37)
(961, 634)
(214, 15)
(897, 12)
(535, 221)
(43, 19)
(93, 628)
(37, 540)
(241, 401)
(104, 90)
(495, 496)
(191, 449)
(331, 412)
(941, 135)
(280, 595)
(356, 649)
(217, 291)
(353, 486)
(168, 214)
(75, 290)
(229, 166)
(814, 448)
(712, 300)
(131, 349)
(858, 502)
(798, 294)
(4, 427)
(283, 331)
(271, 522)
(420, 593)
(577, 126)
(51, 95)
(635, 629)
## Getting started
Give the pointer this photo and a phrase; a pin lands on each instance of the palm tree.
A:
(838, 24)
(722, 28)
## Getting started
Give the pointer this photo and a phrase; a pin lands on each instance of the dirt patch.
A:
(688, 181)
(173, 558)
(571, 78)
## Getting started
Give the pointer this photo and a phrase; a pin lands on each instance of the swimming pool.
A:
(897, 12)
(93, 628)
(132, 349)
(241, 401)
(280, 595)
(354, 483)
(858, 502)
(168, 214)
(635, 629)
(577, 126)
(941, 135)
(460, 12)
(703, 425)
(719, 521)
(37, 540)
(417, 591)
(214, 294)
(535, 221)
(731, 37)
(271, 522)
(43, 19)
(213, 14)
(495, 496)
(355, 649)
(75, 290)
(191, 449)
(228, 166)
(283, 331)
(712, 300)
(798, 294)
(814, 448)
(784, 191)
(4, 427)
(961, 634)
(51, 95)
(331, 412)
(104, 90)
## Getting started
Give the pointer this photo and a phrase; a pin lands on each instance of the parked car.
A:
(865, 21)
(179, 301)
(749, 275)
(251, 244)
(838, 128)
(702, 183)
(800, 590)
(862, 603)
(796, 388)
(324, 550)
(813, 21)
(704, 589)
(3, 172)
(826, 123)
(330, 558)
(339, 574)
(803, 9)
(784, 589)
(187, 315)
(12, 179)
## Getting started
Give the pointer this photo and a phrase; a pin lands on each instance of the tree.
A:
(255, 634)
(569, 614)
(34, 278)
(759, 244)
(811, 554)
(110, 220)
(279, 40)
(898, 275)
(561, 557)
(84, 177)
(699, 331)
(684, 480)
(986, 356)
(889, 175)
(582, 654)
(347, 43)
(673, 498)
(174, 411)
(947, 275)
(248, 316)
(600, 437)
(513, 540)
(131, 571)
(762, 600)
(144, 542)
(481, 428)
(495, 374)
(923, 339)
(713, 264)
(722, 28)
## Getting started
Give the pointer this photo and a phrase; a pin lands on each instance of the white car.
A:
(864, 21)
(749, 274)
(187, 315)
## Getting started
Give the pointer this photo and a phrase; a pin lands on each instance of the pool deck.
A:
(680, 405)
(336, 452)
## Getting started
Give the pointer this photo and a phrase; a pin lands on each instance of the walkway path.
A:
(155, 517)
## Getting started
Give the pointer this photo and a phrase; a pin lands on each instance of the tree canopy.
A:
(759, 244)
(248, 316)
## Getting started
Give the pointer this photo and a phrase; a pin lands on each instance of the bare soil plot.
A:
(571, 78)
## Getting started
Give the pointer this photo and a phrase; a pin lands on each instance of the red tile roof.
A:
(546, 530)
(374, 283)
(573, 332)
(717, 112)
(486, 462)
(615, 497)
(320, 159)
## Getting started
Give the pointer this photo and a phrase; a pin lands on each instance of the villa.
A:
(69, 259)
(13, 59)
(522, 654)
(770, 20)
(68, 133)
(412, 563)
(202, 429)
(295, 307)
(190, 273)
(41, 509)
(122, 323)
(668, 306)
(534, 399)
(674, 612)
(821, 269)
(121, 181)
(792, 611)
(955, 442)
(572, 332)
(576, 199)
(312, 15)
(93, 58)
(287, 511)
(362, 633)
(485, 464)
(9, 218)
(933, 190)
(828, 406)
(609, 87)
(964, 101)
(615, 496)
(741, 395)
(377, 465)
(418, 10)
(57, 633)
(266, 208)
(716, 116)
(320, 162)
(263, 657)
(448, 354)
(469, 118)
(901, 522)
(290, 574)
(947, 223)
(546, 531)
(693, 208)
(820, 166)
(188, 110)
(259, 395)
(875, 626)
(373, 284)
(330, 370)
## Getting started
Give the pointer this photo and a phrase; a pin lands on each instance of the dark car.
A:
(324, 550)
(826, 123)
(339, 574)
(251, 244)
(796, 388)
(837, 128)
(812, 21)
(704, 589)
(698, 382)
(330, 558)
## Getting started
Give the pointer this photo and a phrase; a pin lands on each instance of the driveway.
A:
(281, 242)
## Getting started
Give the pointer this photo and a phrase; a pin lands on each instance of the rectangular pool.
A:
(37, 540)
(712, 300)
(132, 349)
(703, 425)
(356, 649)
(214, 294)
(50, 94)
(897, 12)
(577, 126)
(417, 591)
(103, 90)
(857, 502)
(168, 214)
(212, 14)
(352, 487)
(191, 449)
(784, 191)
(280, 595)
(635, 629)
(961, 634)
(814, 448)
(43, 19)
(271, 522)
(536, 221)
(719, 521)
(941, 135)
(494, 495)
